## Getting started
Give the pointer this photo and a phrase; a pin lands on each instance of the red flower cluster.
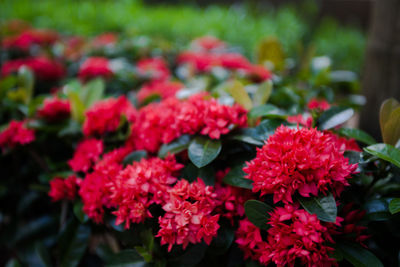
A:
(61, 188)
(208, 43)
(26, 39)
(105, 116)
(86, 154)
(153, 68)
(160, 123)
(44, 68)
(204, 61)
(163, 89)
(318, 105)
(94, 67)
(295, 236)
(16, 134)
(188, 217)
(306, 161)
(105, 39)
(304, 120)
(55, 109)
(139, 185)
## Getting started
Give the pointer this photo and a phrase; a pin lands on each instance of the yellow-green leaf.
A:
(263, 93)
(391, 129)
(387, 107)
(270, 50)
(239, 93)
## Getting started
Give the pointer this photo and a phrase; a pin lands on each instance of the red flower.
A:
(344, 143)
(200, 61)
(319, 105)
(163, 89)
(86, 154)
(160, 123)
(44, 68)
(188, 217)
(105, 39)
(16, 134)
(95, 67)
(105, 115)
(306, 161)
(26, 39)
(301, 119)
(249, 240)
(154, 68)
(139, 185)
(208, 43)
(95, 192)
(297, 236)
(61, 188)
(55, 109)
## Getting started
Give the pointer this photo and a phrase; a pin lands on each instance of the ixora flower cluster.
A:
(181, 146)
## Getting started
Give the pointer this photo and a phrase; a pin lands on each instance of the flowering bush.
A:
(112, 156)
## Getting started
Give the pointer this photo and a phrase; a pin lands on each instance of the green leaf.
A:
(353, 156)
(42, 254)
(358, 256)
(334, 117)
(385, 152)
(175, 146)
(263, 93)
(72, 243)
(268, 111)
(377, 210)
(26, 81)
(191, 173)
(203, 150)
(135, 156)
(324, 207)
(235, 177)
(239, 93)
(257, 213)
(387, 108)
(394, 206)
(192, 255)
(92, 92)
(357, 134)
(222, 242)
(77, 106)
(125, 258)
(78, 211)
(34, 229)
(391, 129)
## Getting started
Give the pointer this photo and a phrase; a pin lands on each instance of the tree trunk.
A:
(381, 77)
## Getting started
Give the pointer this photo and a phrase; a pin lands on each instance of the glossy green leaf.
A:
(175, 146)
(192, 256)
(43, 255)
(235, 177)
(377, 210)
(26, 80)
(72, 243)
(77, 106)
(135, 156)
(263, 93)
(92, 92)
(358, 255)
(33, 229)
(357, 134)
(206, 173)
(324, 207)
(221, 243)
(78, 211)
(258, 213)
(394, 206)
(391, 129)
(387, 107)
(334, 117)
(203, 151)
(385, 152)
(268, 111)
(353, 156)
(239, 93)
(125, 258)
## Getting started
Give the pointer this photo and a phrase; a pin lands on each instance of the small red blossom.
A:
(105, 39)
(301, 119)
(208, 43)
(44, 69)
(94, 67)
(139, 185)
(163, 89)
(86, 154)
(16, 134)
(26, 39)
(105, 115)
(318, 105)
(306, 161)
(55, 109)
(153, 68)
(188, 217)
(61, 188)
(343, 143)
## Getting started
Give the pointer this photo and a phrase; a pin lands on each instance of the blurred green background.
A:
(242, 25)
